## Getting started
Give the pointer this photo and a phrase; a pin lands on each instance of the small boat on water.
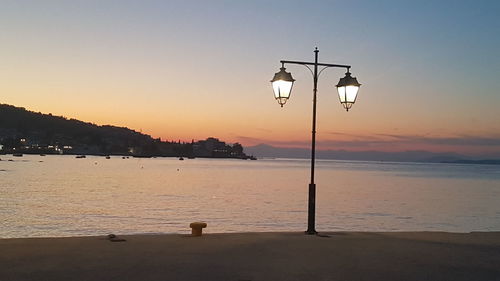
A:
(17, 154)
(108, 157)
(181, 158)
(249, 158)
(81, 156)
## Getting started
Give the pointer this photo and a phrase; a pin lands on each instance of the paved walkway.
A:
(256, 256)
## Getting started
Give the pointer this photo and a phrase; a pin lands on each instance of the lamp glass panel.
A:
(352, 91)
(282, 88)
(342, 95)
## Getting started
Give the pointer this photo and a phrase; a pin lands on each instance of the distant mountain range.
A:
(264, 150)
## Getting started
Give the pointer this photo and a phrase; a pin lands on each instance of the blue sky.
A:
(192, 69)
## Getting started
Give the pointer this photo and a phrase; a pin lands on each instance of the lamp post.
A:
(347, 88)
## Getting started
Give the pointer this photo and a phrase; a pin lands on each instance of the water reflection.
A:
(64, 196)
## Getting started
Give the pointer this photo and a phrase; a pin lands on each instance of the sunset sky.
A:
(429, 70)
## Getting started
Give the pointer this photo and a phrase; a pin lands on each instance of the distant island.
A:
(481, 161)
(264, 150)
(23, 131)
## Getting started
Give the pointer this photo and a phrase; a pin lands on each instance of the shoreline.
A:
(205, 233)
(256, 256)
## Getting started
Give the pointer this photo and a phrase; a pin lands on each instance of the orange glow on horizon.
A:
(177, 126)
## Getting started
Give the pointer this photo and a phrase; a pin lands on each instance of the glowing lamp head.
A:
(282, 85)
(348, 88)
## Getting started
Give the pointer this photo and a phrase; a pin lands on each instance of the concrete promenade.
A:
(256, 256)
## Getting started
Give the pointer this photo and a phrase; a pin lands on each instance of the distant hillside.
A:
(23, 131)
(22, 128)
(263, 150)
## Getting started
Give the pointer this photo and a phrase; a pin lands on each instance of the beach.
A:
(256, 256)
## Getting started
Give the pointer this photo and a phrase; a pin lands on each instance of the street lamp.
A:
(347, 88)
(282, 85)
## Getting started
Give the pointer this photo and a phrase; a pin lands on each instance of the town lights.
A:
(347, 89)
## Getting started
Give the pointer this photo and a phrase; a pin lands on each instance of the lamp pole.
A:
(282, 96)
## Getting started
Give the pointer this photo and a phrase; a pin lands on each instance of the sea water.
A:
(64, 196)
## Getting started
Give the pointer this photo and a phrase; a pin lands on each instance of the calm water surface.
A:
(64, 196)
